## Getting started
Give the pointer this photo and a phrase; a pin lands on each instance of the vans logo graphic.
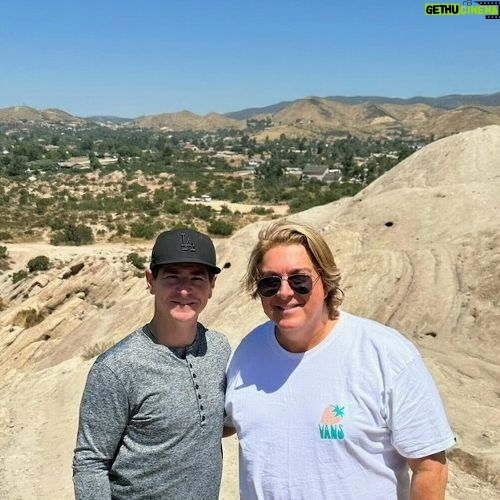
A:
(187, 244)
(330, 425)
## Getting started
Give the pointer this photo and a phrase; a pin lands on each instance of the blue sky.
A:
(138, 57)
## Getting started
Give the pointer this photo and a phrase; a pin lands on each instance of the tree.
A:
(220, 228)
(39, 263)
(144, 231)
(94, 162)
(73, 235)
(271, 169)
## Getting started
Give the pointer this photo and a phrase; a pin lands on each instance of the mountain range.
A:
(311, 116)
(451, 101)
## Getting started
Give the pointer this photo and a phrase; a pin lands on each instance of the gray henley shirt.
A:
(151, 421)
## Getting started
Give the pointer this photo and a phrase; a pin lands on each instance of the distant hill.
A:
(321, 116)
(445, 102)
(310, 117)
(27, 114)
(315, 116)
(186, 120)
(247, 113)
(451, 101)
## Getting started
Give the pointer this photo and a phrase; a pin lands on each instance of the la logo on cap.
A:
(186, 243)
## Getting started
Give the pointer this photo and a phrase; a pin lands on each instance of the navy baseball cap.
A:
(179, 246)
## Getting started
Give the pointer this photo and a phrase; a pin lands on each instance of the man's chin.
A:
(183, 313)
(289, 320)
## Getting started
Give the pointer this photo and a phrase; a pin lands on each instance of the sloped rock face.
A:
(418, 250)
(54, 323)
(53, 316)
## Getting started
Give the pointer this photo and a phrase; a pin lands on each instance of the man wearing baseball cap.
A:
(151, 416)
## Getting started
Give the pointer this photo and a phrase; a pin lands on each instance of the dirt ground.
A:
(241, 207)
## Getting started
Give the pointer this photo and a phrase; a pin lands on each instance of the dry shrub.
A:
(94, 350)
(28, 318)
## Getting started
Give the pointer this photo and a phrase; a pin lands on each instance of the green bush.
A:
(19, 276)
(203, 212)
(262, 211)
(144, 231)
(220, 228)
(225, 210)
(174, 207)
(120, 229)
(136, 260)
(238, 197)
(5, 235)
(3, 252)
(40, 263)
(73, 235)
(57, 224)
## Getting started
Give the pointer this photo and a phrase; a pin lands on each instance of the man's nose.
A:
(184, 284)
(285, 290)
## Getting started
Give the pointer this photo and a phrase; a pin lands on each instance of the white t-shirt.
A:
(336, 421)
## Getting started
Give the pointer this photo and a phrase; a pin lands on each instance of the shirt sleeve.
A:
(418, 421)
(104, 414)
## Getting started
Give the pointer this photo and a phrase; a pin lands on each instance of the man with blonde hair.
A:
(327, 404)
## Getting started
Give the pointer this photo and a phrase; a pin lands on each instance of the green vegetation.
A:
(220, 228)
(136, 260)
(5, 235)
(39, 263)
(78, 185)
(144, 231)
(72, 234)
(4, 254)
(19, 276)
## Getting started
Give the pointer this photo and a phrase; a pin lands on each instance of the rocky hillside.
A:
(310, 117)
(318, 116)
(326, 116)
(185, 120)
(26, 114)
(418, 249)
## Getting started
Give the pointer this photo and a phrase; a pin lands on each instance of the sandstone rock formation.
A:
(419, 250)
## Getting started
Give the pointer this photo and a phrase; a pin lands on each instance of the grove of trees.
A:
(136, 182)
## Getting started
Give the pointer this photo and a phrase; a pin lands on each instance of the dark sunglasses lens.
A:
(300, 283)
(267, 287)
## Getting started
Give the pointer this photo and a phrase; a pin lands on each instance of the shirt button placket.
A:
(199, 397)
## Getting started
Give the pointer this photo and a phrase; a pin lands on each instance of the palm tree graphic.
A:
(339, 411)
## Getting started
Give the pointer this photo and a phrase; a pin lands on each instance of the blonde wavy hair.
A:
(293, 233)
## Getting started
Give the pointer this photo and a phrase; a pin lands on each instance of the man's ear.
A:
(212, 284)
(150, 280)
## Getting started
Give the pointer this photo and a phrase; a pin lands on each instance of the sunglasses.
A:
(299, 283)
